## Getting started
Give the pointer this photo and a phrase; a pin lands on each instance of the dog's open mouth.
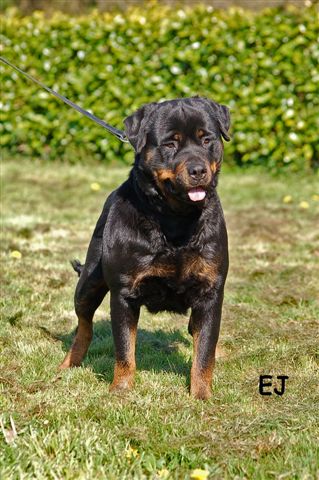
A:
(197, 194)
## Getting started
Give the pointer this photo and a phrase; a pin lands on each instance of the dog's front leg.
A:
(204, 327)
(124, 318)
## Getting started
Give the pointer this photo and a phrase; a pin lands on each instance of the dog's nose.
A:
(197, 171)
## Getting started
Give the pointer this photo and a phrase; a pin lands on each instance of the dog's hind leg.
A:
(90, 291)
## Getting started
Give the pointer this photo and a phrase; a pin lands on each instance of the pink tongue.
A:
(197, 194)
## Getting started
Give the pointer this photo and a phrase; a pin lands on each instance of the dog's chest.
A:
(172, 281)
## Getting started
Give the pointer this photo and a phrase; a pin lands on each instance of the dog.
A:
(161, 239)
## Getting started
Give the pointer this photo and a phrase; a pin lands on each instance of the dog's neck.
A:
(178, 227)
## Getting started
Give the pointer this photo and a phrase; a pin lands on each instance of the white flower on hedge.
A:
(289, 113)
(181, 14)
(302, 28)
(119, 20)
(203, 72)
(290, 102)
(293, 137)
(81, 54)
(156, 79)
(46, 52)
(5, 107)
(47, 66)
(176, 70)
(195, 45)
(300, 124)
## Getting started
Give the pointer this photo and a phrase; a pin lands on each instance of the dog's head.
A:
(178, 145)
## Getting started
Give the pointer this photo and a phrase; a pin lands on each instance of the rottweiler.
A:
(161, 239)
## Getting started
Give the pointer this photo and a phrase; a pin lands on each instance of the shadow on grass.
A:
(156, 351)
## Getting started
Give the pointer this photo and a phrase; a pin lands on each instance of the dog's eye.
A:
(170, 145)
(206, 141)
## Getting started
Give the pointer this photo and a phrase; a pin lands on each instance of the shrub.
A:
(263, 65)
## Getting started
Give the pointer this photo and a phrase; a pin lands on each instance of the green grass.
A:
(68, 424)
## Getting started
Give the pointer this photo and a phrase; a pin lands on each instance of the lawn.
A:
(69, 426)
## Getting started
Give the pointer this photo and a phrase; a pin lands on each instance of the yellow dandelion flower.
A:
(163, 473)
(16, 254)
(131, 452)
(315, 197)
(287, 199)
(199, 474)
(304, 204)
(95, 187)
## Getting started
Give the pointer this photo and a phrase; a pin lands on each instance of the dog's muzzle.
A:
(199, 176)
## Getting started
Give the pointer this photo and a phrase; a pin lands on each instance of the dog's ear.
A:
(137, 126)
(222, 115)
(224, 121)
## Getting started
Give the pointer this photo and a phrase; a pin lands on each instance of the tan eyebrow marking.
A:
(177, 136)
(164, 174)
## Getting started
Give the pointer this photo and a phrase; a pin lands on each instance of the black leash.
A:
(115, 131)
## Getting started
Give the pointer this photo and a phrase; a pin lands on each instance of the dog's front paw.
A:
(201, 381)
(123, 377)
(70, 361)
(201, 391)
(122, 385)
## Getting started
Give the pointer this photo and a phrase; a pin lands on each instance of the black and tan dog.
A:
(161, 240)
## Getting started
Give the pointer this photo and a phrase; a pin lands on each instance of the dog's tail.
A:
(77, 266)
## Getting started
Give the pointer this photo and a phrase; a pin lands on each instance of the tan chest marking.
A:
(192, 266)
(197, 266)
(161, 270)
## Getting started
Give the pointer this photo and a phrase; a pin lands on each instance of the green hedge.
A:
(264, 66)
